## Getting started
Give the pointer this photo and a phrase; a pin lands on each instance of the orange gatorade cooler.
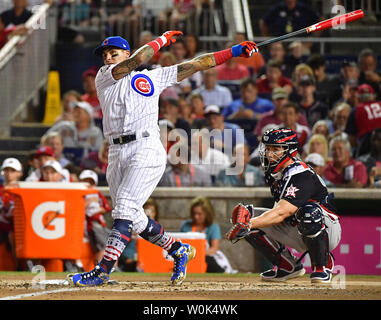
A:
(49, 219)
(154, 259)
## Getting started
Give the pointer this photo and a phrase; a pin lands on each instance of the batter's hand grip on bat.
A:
(329, 23)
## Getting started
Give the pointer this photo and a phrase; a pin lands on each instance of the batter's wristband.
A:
(157, 43)
(223, 56)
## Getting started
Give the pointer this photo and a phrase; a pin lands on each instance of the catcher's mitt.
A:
(238, 231)
(242, 213)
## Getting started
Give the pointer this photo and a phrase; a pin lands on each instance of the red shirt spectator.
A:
(367, 115)
(90, 96)
(232, 70)
(273, 79)
(343, 170)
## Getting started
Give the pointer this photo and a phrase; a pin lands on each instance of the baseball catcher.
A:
(303, 216)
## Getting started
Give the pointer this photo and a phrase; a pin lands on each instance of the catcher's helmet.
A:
(283, 137)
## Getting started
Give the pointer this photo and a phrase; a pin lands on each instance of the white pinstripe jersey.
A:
(131, 103)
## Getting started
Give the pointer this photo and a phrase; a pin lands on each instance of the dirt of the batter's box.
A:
(195, 287)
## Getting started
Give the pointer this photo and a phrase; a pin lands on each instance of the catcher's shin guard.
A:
(312, 229)
(275, 252)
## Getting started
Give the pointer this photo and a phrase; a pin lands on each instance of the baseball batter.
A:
(137, 159)
(302, 218)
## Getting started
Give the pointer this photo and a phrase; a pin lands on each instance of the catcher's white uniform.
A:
(130, 106)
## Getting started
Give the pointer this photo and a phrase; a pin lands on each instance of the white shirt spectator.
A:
(220, 95)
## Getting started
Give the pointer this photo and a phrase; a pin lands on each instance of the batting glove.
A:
(244, 49)
(169, 35)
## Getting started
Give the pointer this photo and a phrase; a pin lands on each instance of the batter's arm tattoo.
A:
(142, 55)
(203, 62)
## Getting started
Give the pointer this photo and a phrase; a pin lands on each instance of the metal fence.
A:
(25, 63)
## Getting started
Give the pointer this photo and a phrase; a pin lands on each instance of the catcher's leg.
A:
(313, 231)
(286, 266)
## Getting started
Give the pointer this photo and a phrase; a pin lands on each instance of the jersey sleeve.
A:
(104, 77)
(298, 189)
(165, 77)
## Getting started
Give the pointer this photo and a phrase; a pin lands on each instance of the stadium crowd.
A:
(211, 123)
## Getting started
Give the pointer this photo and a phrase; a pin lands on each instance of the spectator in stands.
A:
(17, 15)
(98, 160)
(317, 163)
(41, 156)
(256, 62)
(52, 171)
(179, 50)
(317, 144)
(180, 172)
(197, 105)
(232, 70)
(67, 105)
(343, 170)
(300, 70)
(287, 16)
(168, 59)
(90, 95)
(11, 170)
(81, 132)
(372, 160)
(89, 135)
(350, 93)
(96, 205)
(364, 118)
(202, 220)
(208, 159)
(212, 92)
(151, 209)
(166, 127)
(290, 120)
(181, 11)
(349, 71)
(248, 175)
(185, 110)
(171, 112)
(273, 79)
(8, 32)
(192, 44)
(328, 86)
(279, 98)
(225, 135)
(368, 71)
(321, 127)
(54, 140)
(249, 106)
(312, 108)
(340, 116)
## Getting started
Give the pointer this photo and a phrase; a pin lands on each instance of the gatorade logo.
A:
(143, 85)
(48, 221)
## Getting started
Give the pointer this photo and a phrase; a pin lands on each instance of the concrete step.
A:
(20, 155)
(19, 143)
(28, 129)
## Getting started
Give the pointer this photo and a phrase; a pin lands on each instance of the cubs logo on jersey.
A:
(143, 85)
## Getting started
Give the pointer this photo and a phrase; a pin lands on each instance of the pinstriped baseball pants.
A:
(133, 172)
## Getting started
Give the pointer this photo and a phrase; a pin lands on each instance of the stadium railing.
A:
(24, 64)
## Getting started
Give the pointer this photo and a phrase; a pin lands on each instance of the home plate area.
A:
(132, 286)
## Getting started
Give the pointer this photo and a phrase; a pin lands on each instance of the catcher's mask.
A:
(282, 137)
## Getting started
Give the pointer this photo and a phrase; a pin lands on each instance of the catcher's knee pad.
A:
(272, 250)
(314, 234)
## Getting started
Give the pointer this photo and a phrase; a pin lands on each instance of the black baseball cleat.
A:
(321, 275)
(277, 274)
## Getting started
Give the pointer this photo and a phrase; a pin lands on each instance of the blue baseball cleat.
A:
(96, 277)
(181, 258)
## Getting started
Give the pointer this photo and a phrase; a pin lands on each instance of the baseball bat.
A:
(326, 24)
